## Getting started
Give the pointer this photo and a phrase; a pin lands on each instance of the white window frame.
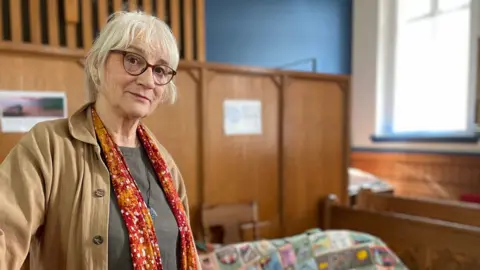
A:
(386, 63)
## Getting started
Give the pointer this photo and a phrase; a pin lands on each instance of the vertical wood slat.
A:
(132, 5)
(71, 11)
(188, 29)
(117, 5)
(87, 24)
(202, 133)
(175, 19)
(147, 6)
(102, 13)
(71, 19)
(161, 9)
(477, 104)
(200, 23)
(1, 21)
(52, 15)
(16, 21)
(34, 13)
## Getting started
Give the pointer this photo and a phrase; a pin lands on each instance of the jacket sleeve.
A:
(22, 200)
(176, 177)
(180, 184)
(182, 193)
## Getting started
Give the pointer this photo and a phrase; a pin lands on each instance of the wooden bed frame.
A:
(420, 242)
(452, 211)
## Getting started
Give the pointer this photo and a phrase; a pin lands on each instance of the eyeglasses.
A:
(135, 64)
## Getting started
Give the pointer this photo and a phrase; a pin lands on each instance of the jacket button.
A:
(97, 240)
(99, 193)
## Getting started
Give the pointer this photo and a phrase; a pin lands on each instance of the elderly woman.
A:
(97, 191)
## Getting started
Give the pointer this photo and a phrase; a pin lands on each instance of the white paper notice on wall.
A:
(242, 117)
(21, 110)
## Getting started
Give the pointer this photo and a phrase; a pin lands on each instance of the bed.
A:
(314, 249)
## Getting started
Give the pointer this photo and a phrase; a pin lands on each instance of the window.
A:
(431, 64)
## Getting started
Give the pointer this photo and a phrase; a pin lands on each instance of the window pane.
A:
(451, 4)
(431, 86)
(414, 56)
(452, 51)
(410, 9)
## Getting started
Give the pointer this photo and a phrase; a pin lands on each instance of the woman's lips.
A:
(140, 96)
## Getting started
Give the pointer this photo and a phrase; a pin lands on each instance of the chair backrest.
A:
(227, 220)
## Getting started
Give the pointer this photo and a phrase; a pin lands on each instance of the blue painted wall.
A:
(275, 33)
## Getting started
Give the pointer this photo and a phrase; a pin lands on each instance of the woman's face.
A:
(131, 92)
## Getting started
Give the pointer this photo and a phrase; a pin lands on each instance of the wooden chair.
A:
(229, 223)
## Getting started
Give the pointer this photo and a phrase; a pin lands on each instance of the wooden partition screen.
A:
(70, 26)
(298, 159)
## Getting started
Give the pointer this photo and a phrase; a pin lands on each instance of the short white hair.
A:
(121, 31)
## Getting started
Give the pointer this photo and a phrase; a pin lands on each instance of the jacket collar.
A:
(80, 125)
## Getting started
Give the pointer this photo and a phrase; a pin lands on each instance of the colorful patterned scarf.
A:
(143, 241)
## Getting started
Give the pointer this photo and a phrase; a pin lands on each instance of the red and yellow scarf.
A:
(143, 241)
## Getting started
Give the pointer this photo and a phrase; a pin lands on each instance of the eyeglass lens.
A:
(135, 65)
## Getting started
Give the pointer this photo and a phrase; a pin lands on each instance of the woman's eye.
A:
(160, 70)
(133, 60)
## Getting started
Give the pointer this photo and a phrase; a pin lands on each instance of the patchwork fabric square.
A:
(310, 264)
(208, 261)
(248, 253)
(287, 255)
(361, 238)
(250, 267)
(228, 258)
(320, 243)
(264, 247)
(271, 262)
(323, 261)
(383, 256)
(361, 257)
(279, 242)
(340, 239)
(302, 247)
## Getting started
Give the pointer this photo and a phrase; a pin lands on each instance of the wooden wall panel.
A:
(442, 176)
(242, 168)
(28, 72)
(288, 169)
(176, 126)
(312, 147)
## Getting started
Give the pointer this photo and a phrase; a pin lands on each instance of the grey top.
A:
(166, 228)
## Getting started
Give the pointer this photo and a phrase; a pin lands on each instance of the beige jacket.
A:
(54, 198)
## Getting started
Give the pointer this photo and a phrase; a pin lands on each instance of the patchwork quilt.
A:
(314, 249)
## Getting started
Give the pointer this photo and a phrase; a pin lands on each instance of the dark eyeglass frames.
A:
(135, 64)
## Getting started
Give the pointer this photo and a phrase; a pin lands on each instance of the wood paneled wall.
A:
(25, 71)
(433, 175)
(300, 157)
